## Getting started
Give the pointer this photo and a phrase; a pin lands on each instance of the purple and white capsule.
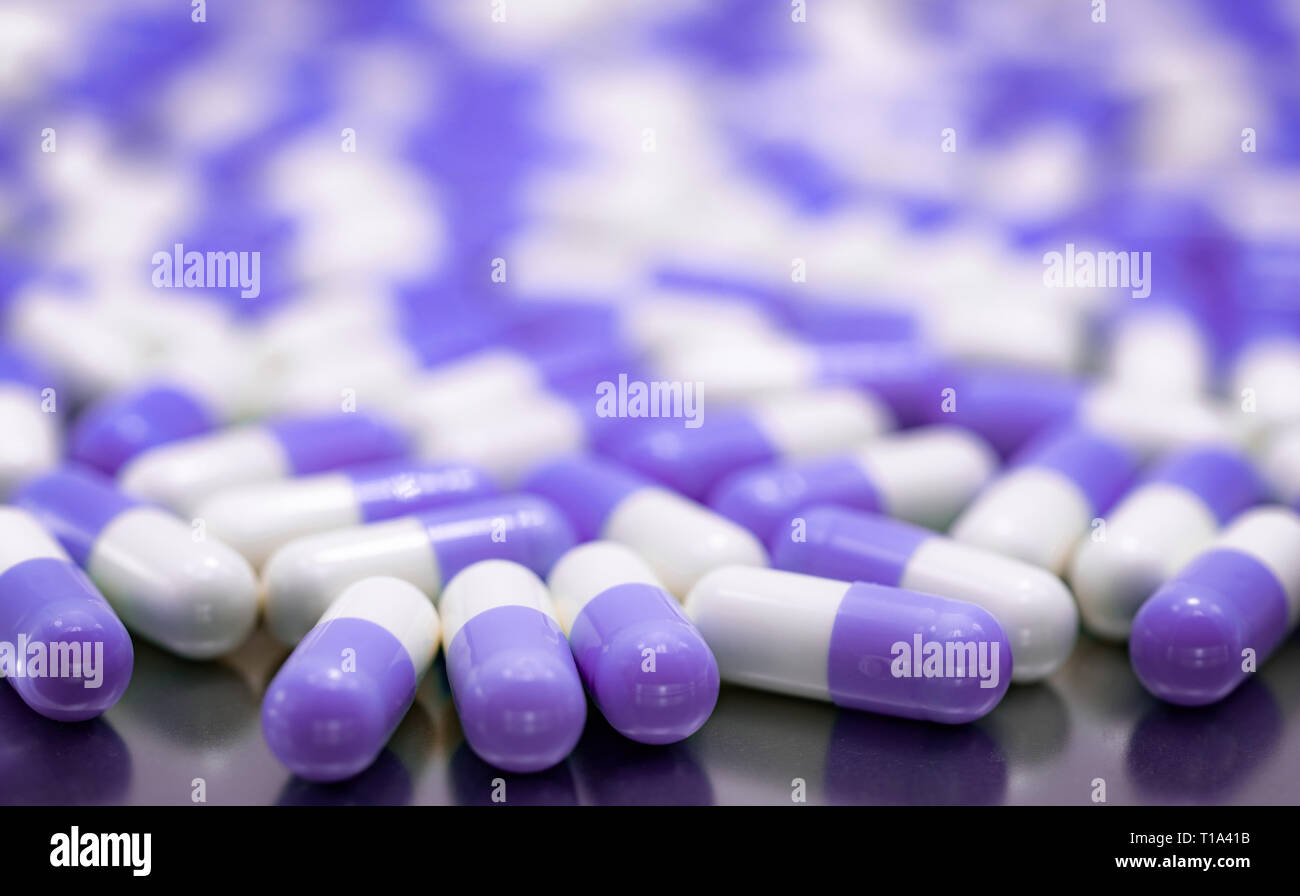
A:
(1159, 349)
(516, 688)
(303, 578)
(1010, 409)
(115, 429)
(510, 439)
(192, 595)
(679, 539)
(181, 474)
(1155, 530)
(860, 646)
(1207, 628)
(257, 519)
(644, 663)
(30, 444)
(1037, 510)
(795, 427)
(925, 476)
(741, 370)
(339, 696)
(1266, 372)
(61, 645)
(1034, 607)
(84, 347)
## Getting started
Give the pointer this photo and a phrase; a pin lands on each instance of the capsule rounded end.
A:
(1186, 645)
(522, 710)
(1111, 581)
(87, 660)
(322, 723)
(656, 683)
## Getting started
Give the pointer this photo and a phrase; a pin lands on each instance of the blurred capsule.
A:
(1037, 510)
(192, 595)
(303, 577)
(258, 519)
(181, 474)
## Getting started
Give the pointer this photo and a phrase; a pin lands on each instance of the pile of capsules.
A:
(617, 400)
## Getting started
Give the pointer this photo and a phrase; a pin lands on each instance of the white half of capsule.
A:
(396, 606)
(666, 320)
(927, 475)
(1033, 606)
(1007, 331)
(1148, 537)
(1279, 461)
(485, 586)
(70, 336)
(329, 315)
(443, 395)
(679, 539)
(1159, 352)
(589, 570)
(216, 374)
(817, 422)
(23, 538)
(1270, 370)
(738, 371)
(30, 441)
(370, 375)
(301, 579)
(197, 598)
(1033, 514)
(1272, 536)
(257, 519)
(508, 440)
(181, 474)
(1153, 424)
(762, 637)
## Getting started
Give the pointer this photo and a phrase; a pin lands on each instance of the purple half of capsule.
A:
(918, 656)
(338, 698)
(644, 663)
(835, 321)
(112, 431)
(525, 529)
(1102, 468)
(74, 505)
(902, 373)
(560, 359)
(692, 461)
(1188, 640)
(73, 657)
(399, 488)
(1004, 406)
(1225, 480)
(586, 489)
(850, 546)
(516, 688)
(765, 498)
(17, 367)
(317, 443)
(542, 323)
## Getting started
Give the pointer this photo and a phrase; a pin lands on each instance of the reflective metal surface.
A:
(186, 729)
